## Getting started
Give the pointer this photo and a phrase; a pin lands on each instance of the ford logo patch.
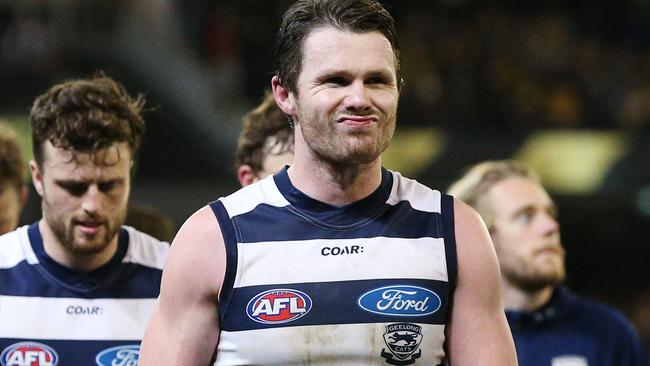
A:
(278, 306)
(119, 356)
(400, 300)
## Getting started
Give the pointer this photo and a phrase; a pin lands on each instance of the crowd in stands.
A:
(495, 64)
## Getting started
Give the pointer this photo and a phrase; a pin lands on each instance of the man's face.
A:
(84, 200)
(10, 206)
(347, 95)
(526, 234)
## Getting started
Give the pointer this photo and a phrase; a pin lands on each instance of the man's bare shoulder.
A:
(200, 228)
(198, 246)
(465, 214)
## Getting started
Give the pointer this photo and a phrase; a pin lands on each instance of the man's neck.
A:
(78, 262)
(336, 184)
(515, 298)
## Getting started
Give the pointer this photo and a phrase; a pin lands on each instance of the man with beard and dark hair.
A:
(334, 260)
(551, 325)
(77, 287)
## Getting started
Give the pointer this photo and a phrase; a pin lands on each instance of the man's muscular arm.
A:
(184, 326)
(478, 333)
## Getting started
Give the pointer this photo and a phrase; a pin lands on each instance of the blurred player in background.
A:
(550, 324)
(13, 190)
(265, 144)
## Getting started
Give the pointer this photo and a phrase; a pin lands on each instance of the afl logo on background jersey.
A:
(278, 306)
(29, 354)
(119, 356)
(400, 300)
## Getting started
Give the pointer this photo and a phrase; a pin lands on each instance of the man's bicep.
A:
(184, 327)
(478, 332)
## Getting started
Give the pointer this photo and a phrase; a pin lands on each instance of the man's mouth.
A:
(89, 227)
(357, 121)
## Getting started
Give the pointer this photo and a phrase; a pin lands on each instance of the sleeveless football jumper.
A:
(308, 283)
(51, 315)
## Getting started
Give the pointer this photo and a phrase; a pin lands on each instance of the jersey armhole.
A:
(230, 244)
(449, 233)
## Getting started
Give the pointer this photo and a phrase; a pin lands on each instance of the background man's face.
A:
(526, 234)
(84, 199)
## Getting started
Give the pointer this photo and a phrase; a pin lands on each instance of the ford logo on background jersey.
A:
(29, 354)
(119, 356)
(278, 306)
(400, 300)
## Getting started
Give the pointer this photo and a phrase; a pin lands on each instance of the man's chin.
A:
(539, 283)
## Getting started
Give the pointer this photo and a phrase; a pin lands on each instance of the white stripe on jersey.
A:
(421, 198)
(278, 262)
(15, 248)
(74, 318)
(249, 197)
(145, 250)
(336, 344)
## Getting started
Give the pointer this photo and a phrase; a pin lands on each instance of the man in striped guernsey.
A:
(77, 287)
(334, 260)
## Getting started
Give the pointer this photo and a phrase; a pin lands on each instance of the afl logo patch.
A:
(400, 300)
(278, 306)
(29, 354)
(120, 355)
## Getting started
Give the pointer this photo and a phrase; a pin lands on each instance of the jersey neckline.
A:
(344, 217)
(80, 281)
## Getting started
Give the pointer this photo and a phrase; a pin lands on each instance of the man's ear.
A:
(283, 97)
(37, 177)
(245, 175)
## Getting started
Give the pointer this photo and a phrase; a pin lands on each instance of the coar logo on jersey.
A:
(278, 306)
(119, 356)
(400, 300)
(402, 339)
(29, 354)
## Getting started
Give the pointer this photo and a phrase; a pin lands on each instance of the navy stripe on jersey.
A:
(280, 224)
(80, 352)
(22, 280)
(329, 304)
(230, 242)
(448, 227)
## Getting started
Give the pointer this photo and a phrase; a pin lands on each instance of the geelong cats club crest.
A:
(403, 340)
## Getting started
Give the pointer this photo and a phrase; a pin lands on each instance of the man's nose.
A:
(91, 199)
(357, 97)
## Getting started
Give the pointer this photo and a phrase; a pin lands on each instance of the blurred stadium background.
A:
(562, 85)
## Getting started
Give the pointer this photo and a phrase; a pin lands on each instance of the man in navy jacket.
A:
(551, 325)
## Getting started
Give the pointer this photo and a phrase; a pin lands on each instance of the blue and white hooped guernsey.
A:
(308, 283)
(53, 316)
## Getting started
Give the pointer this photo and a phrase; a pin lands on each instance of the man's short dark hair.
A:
(265, 129)
(359, 16)
(86, 115)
